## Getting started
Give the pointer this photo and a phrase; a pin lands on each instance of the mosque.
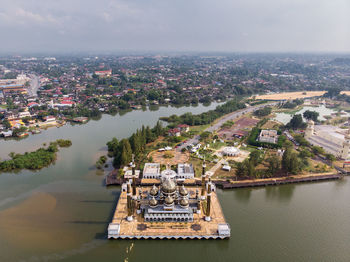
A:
(169, 210)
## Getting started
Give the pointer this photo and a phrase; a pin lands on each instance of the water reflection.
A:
(243, 194)
(280, 193)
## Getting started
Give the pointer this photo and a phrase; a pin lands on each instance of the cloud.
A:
(184, 25)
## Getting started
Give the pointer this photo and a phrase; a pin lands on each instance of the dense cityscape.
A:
(44, 91)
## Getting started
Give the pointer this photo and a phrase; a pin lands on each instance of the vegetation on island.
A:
(36, 160)
(101, 162)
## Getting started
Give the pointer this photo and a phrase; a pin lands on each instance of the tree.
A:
(274, 165)
(6, 124)
(255, 157)
(301, 140)
(126, 153)
(317, 150)
(311, 115)
(263, 111)
(333, 92)
(330, 157)
(296, 122)
(290, 162)
(205, 135)
(245, 169)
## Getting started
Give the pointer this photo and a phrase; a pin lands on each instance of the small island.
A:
(35, 160)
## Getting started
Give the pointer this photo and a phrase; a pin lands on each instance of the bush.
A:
(168, 155)
(64, 143)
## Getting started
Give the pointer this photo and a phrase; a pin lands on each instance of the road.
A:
(222, 120)
(34, 85)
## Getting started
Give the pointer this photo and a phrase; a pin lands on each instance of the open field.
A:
(177, 157)
(345, 93)
(291, 95)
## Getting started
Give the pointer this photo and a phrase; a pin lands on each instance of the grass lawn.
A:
(197, 166)
(199, 129)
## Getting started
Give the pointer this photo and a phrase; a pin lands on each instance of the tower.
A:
(133, 178)
(207, 211)
(198, 202)
(310, 129)
(129, 203)
(203, 181)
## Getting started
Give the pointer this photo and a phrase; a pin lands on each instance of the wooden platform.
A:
(139, 229)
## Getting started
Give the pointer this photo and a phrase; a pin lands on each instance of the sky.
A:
(65, 26)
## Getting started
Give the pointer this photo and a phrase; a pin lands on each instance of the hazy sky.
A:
(175, 25)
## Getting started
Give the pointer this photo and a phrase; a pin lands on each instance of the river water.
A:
(322, 110)
(62, 212)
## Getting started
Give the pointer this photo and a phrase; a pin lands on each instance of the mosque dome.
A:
(153, 202)
(183, 191)
(169, 201)
(168, 174)
(168, 186)
(153, 191)
(184, 202)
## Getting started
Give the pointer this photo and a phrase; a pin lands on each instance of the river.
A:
(62, 212)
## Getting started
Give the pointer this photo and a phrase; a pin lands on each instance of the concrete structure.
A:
(268, 136)
(151, 170)
(230, 151)
(332, 139)
(185, 171)
(309, 132)
(128, 174)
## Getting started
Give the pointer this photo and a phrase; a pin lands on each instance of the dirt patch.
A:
(178, 157)
(291, 95)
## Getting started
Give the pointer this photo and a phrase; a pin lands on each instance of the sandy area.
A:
(179, 157)
(291, 95)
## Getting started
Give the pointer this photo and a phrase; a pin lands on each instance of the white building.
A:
(230, 151)
(24, 114)
(151, 170)
(185, 171)
(128, 174)
(268, 136)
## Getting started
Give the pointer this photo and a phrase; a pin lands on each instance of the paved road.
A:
(34, 85)
(226, 118)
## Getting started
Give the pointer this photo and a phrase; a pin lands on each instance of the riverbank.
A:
(112, 180)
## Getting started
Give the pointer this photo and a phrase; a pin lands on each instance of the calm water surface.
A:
(62, 212)
(322, 110)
